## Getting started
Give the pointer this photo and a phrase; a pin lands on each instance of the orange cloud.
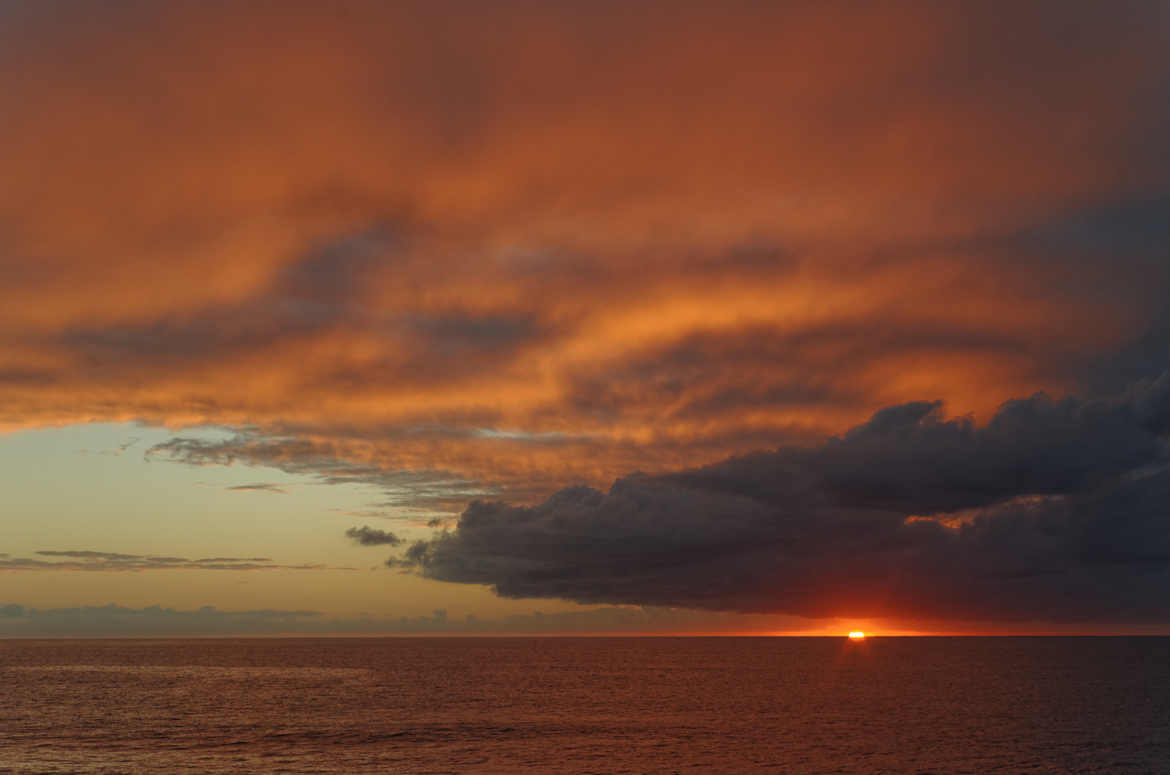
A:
(527, 244)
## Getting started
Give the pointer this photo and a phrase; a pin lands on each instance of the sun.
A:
(857, 635)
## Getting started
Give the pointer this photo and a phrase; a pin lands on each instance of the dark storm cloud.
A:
(1117, 249)
(1137, 229)
(1142, 357)
(1062, 510)
(368, 536)
(909, 458)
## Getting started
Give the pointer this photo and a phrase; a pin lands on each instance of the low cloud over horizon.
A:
(1055, 510)
(17, 620)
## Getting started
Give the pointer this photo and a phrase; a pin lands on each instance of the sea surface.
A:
(586, 705)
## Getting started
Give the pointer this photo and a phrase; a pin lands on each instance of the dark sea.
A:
(586, 705)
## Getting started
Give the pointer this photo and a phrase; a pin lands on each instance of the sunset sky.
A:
(468, 317)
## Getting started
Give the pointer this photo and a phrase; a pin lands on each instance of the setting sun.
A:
(857, 635)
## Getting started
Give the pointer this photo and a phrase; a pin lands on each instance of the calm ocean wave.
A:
(624, 705)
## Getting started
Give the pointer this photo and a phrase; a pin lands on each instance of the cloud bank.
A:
(18, 620)
(1055, 510)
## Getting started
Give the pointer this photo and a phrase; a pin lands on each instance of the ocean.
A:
(586, 705)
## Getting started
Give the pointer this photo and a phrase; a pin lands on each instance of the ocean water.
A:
(584, 705)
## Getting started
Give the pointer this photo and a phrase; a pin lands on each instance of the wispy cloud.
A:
(328, 463)
(116, 451)
(259, 487)
(366, 513)
(88, 560)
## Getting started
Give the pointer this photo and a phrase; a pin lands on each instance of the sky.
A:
(584, 317)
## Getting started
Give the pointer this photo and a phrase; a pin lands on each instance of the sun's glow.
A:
(857, 635)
